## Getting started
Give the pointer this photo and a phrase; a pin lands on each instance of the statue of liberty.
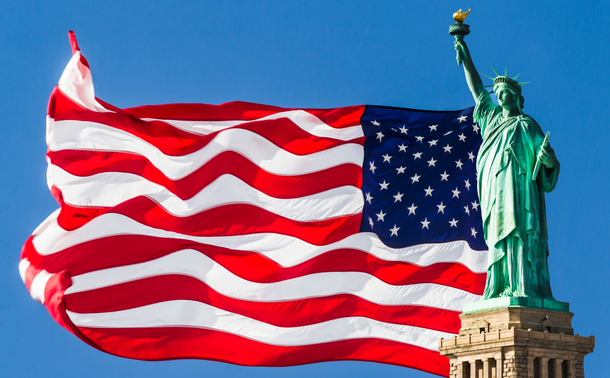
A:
(512, 198)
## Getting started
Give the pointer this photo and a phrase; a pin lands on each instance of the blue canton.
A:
(419, 176)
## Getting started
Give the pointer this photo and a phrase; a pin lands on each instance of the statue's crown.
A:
(504, 79)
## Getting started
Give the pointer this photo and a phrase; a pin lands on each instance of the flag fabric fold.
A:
(257, 235)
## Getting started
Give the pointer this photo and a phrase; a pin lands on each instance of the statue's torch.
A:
(459, 29)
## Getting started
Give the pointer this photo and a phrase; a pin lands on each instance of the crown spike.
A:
(520, 84)
(515, 78)
(489, 77)
(495, 70)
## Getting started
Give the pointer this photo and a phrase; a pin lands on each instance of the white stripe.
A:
(79, 135)
(38, 285)
(23, 267)
(285, 250)
(304, 120)
(76, 83)
(195, 264)
(112, 188)
(50, 221)
(182, 313)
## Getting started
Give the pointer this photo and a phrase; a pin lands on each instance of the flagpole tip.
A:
(73, 42)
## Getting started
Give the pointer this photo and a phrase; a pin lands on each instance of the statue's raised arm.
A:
(472, 76)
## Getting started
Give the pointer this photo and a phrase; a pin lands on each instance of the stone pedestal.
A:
(519, 342)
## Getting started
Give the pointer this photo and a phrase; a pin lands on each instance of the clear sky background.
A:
(303, 54)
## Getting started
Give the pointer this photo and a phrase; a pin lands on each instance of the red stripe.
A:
(87, 163)
(169, 343)
(28, 250)
(75, 48)
(108, 252)
(176, 142)
(293, 313)
(30, 273)
(72, 217)
(237, 219)
(246, 111)
(73, 42)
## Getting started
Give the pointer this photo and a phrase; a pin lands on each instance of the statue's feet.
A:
(506, 293)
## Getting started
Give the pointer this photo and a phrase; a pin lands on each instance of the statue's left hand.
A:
(546, 155)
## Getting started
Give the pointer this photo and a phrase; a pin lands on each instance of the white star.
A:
(470, 156)
(404, 130)
(444, 176)
(453, 222)
(375, 123)
(467, 210)
(433, 127)
(394, 231)
(386, 157)
(381, 215)
(369, 198)
(462, 118)
(447, 148)
(467, 183)
(441, 208)
(462, 137)
(412, 209)
(372, 166)
(419, 138)
(447, 133)
(417, 155)
(371, 222)
(456, 193)
(398, 197)
(401, 170)
(428, 191)
(432, 142)
(384, 185)
(473, 232)
(379, 136)
(403, 148)
(425, 224)
(475, 128)
(475, 205)
(432, 162)
(459, 164)
(415, 178)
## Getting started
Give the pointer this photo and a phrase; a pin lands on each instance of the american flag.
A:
(257, 235)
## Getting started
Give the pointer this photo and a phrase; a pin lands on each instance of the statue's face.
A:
(507, 98)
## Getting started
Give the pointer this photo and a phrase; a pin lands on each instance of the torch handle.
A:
(458, 37)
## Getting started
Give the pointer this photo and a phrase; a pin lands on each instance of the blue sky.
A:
(303, 54)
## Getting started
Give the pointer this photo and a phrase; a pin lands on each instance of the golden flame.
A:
(460, 16)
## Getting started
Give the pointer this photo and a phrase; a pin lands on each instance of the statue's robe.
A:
(512, 205)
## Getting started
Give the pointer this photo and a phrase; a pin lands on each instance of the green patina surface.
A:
(512, 198)
(490, 304)
(512, 204)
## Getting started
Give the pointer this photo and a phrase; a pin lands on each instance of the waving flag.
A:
(257, 235)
